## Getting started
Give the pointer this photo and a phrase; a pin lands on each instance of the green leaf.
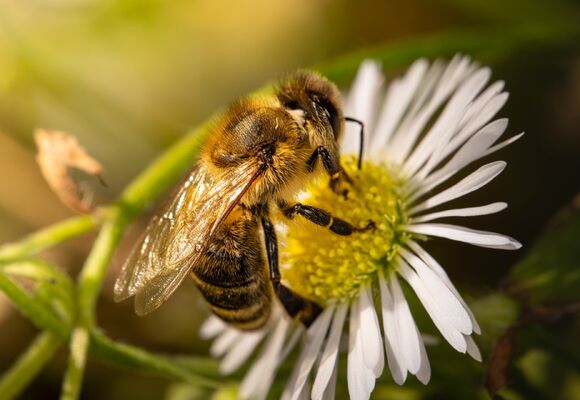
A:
(551, 270)
(486, 44)
(494, 312)
(519, 11)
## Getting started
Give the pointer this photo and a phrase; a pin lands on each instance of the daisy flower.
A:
(421, 131)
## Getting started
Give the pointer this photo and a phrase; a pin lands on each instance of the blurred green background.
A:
(130, 77)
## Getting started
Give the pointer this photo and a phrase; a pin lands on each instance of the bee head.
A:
(317, 98)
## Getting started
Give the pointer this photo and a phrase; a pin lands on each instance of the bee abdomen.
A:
(252, 317)
(244, 304)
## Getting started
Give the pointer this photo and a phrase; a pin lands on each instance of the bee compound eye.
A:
(332, 115)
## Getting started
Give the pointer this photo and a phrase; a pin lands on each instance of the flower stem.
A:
(49, 236)
(72, 383)
(163, 172)
(89, 285)
(134, 358)
(31, 309)
(29, 364)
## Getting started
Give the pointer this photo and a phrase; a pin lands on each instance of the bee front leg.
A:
(324, 218)
(295, 305)
(332, 167)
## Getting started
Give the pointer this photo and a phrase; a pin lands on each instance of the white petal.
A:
(476, 116)
(462, 212)
(361, 380)
(391, 329)
(372, 342)
(472, 349)
(430, 148)
(212, 327)
(423, 105)
(424, 373)
(259, 378)
(328, 360)
(330, 392)
(303, 395)
(449, 332)
(400, 330)
(241, 351)
(397, 100)
(462, 234)
(485, 106)
(435, 94)
(362, 103)
(290, 343)
(474, 181)
(311, 349)
(442, 299)
(474, 149)
(482, 117)
(224, 342)
(503, 144)
(436, 267)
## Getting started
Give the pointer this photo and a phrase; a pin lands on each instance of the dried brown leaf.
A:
(58, 153)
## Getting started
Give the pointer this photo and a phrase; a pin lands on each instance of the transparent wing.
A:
(176, 237)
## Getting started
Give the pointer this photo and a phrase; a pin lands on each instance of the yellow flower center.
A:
(323, 266)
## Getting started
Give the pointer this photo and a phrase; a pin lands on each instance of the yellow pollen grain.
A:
(324, 266)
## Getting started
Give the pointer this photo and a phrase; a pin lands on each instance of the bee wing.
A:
(177, 236)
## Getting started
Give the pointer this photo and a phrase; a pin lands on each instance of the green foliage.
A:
(551, 270)
(538, 356)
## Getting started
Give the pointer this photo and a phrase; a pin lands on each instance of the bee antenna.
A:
(362, 138)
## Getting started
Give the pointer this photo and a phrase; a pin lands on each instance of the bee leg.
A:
(324, 218)
(296, 306)
(332, 167)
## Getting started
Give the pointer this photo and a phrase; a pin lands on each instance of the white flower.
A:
(427, 126)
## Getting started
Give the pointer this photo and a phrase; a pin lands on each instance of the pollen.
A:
(325, 267)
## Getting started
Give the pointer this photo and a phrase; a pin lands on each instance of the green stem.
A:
(95, 267)
(136, 359)
(163, 172)
(35, 312)
(49, 236)
(89, 286)
(73, 380)
(29, 364)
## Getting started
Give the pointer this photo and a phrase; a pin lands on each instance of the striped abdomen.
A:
(232, 275)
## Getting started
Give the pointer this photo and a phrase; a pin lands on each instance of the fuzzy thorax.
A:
(325, 267)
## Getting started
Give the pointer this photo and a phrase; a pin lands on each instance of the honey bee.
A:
(259, 155)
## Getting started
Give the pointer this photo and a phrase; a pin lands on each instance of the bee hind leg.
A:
(295, 305)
